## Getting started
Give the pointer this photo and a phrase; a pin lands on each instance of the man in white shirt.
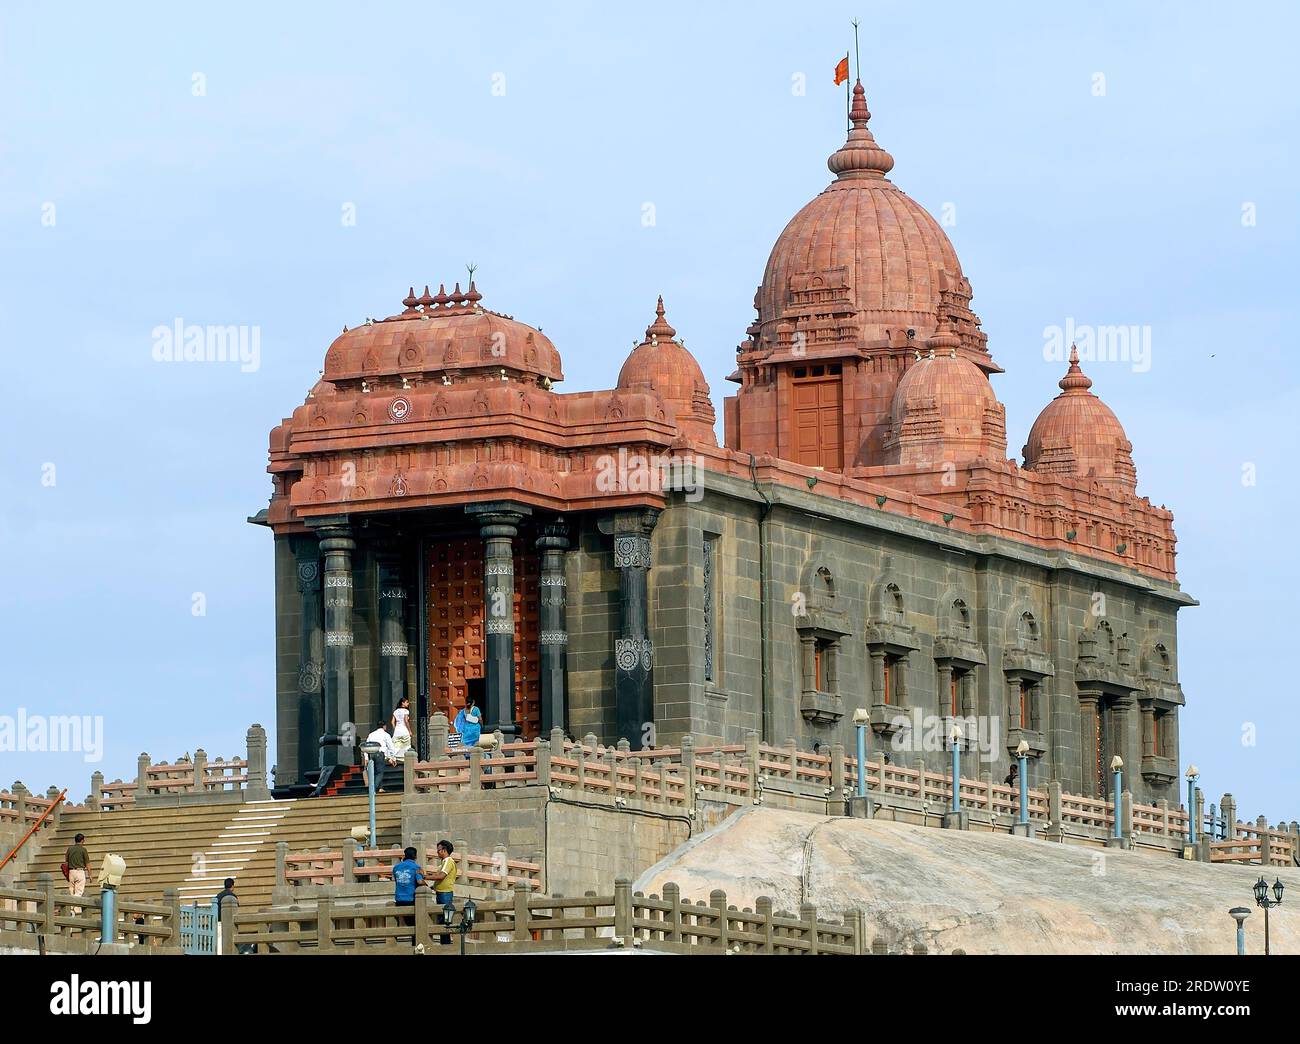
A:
(388, 754)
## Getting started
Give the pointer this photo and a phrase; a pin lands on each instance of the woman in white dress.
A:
(401, 722)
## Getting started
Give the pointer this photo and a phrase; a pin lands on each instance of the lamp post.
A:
(368, 751)
(860, 721)
(468, 913)
(1192, 776)
(1262, 899)
(955, 736)
(1117, 771)
(1239, 914)
(1022, 756)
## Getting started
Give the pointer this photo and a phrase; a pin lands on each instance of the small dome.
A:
(1078, 435)
(944, 409)
(439, 333)
(661, 364)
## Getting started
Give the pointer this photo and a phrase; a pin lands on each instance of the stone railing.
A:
(525, 922)
(356, 865)
(752, 772)
(188, 780)
(50, 911)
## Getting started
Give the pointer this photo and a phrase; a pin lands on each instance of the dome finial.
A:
(860, 156)
(1075, 380)
(660, 328)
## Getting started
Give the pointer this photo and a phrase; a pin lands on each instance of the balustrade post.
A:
(623, 910)
(751, 763)
(808, 917)
(141, 776)
(408, 771)
(718, 900)
(542, 752)
(522, 928)
(324, 923)
(198, 786)
(282, 863)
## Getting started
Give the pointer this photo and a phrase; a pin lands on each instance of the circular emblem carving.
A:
(399, 408)
(625, 653)
(308, 572)
(309, 676)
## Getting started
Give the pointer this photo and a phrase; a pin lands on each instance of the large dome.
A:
(863, 246)
(1078, 435)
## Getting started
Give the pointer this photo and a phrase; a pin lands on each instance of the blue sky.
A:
(225, 206)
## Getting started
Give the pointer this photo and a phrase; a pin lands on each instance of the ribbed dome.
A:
(864, 247)
(440, 333)
(944, 409)
(1078, 435)
(663, 365)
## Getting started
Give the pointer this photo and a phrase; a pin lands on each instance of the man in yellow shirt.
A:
(444, 879)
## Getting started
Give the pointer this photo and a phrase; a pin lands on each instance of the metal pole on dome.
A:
(848, 113)
(857, 53)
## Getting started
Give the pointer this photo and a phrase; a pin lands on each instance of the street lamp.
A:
(1262, 899)
(1239, 914)
(1193, 774)
(1117, 769)
(468, 914)
(369, 750)
(955, 735)
(860, 721)
(1022, 756)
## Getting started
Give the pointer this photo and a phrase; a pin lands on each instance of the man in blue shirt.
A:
(406, 876)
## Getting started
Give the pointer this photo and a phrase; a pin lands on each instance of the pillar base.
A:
(1029, 829)
(863, 807)
(1121, 843)
(956, 820)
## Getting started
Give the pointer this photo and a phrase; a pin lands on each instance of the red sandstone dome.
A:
(440, 333)
(1077, 435)
(944, 409)
(865, 248)
(662, 364)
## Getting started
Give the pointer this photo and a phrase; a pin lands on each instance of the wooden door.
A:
(457, 636)
(817, 420)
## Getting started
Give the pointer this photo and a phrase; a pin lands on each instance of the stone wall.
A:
(863, 552)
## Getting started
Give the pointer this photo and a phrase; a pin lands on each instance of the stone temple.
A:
(447, 524)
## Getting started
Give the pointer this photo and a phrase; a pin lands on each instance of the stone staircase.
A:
(194, 848)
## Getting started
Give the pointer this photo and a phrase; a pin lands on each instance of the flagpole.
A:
(857, 53)
(848, 120)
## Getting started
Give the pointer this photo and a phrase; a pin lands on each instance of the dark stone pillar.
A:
(633, 653)
(499, 525)
(392, 639)
(553, 542)
(1089, 708)
(311, 661)
(336, 747)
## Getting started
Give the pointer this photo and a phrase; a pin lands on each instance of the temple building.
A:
(448, 524)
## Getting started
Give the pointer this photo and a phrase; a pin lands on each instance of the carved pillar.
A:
(877, 676)
(392, 639)
(499, 525)
(1088, 741)
(808, 665)
(1013, 704)
(337, 546)
(945, 689)
(554, 652)
(1120, 737)
(311, 660)
(633, 654)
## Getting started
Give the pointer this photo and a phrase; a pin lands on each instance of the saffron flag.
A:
(842, 71)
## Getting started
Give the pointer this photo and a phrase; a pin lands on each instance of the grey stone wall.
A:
(863, 550)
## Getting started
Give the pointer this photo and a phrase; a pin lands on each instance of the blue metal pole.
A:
(1118, 800)
(1024, 789)
(956, 775)
(1191, 810)
(862, 760)
(371, 777)
(107, 915)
